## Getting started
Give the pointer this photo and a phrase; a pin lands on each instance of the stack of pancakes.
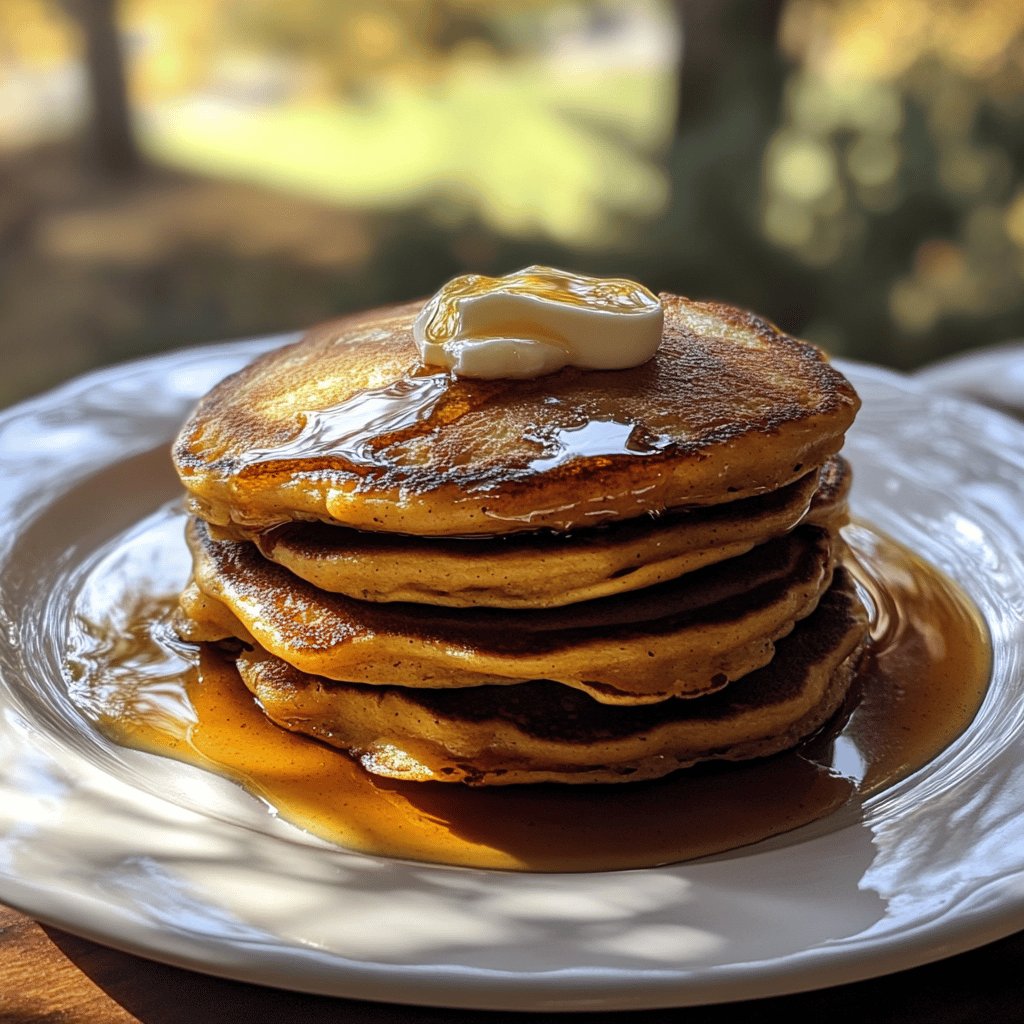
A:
(591, 576)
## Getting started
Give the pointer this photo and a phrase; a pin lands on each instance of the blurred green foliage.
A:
(848, 168)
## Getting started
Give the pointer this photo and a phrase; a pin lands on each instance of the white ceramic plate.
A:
(161, 859)
(993, 376)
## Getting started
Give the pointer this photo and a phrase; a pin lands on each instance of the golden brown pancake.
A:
(346, 427)
(682, 637)
(541, 732)
(548, 570)
(202, 619)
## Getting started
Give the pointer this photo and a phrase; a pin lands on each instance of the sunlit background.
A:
(177, 172)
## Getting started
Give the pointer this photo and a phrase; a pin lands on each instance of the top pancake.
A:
(347, 427)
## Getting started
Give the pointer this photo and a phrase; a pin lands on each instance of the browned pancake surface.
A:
(691, 635)
(347, 427)
(544, 569)
(540, 731)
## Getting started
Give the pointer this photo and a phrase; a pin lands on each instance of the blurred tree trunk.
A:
(729, 96)
(112, 136)
(715, 32)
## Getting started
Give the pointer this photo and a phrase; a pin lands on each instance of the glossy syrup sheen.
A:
(920, 686)
(348, 430)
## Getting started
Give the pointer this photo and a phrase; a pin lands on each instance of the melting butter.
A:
(536, 321)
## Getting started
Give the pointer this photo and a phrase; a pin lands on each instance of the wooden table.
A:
(48, 975)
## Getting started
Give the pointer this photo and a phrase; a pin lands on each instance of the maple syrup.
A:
(919, 687)
(350, 429)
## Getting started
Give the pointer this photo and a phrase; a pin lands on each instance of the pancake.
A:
(548, 570)
(347, 427)
(201, 619)
(543, 732)
(690, 635)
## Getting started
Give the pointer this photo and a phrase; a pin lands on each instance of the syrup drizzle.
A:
(354, 430)
(593, 438)
(920, 686)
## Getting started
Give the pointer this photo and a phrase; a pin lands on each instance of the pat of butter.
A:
(537, 321)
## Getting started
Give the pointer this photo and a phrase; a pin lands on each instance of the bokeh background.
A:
(176, 172)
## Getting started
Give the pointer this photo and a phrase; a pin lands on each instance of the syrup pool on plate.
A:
(919, 687)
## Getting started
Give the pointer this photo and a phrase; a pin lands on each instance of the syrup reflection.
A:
(355, 430)
(594, 437)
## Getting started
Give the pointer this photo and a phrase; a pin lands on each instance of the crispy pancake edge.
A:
(550, 570)
(684, 652)
(408, 734)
